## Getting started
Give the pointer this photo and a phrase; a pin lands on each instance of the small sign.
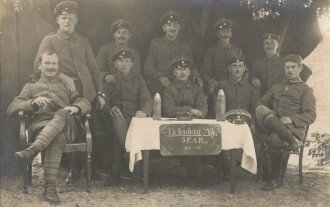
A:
(190, 139)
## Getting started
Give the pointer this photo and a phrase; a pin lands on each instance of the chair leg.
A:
(301, 155)
(25, 179)
(29, 173)
(88, 163)
(232, 172)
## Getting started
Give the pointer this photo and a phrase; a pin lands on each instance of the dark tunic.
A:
(215, 61)
(60, 96)
(269, 71)
(129, 94)
(76, 60)
(178, 97)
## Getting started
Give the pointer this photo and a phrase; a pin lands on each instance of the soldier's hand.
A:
(164, 81)
(256, 83)
(213, 83)
(110, 78)
(286, 120)
(140, 114)
(197, 113)
(100, 102)
(41, 101)
(199, 81)
(115, 111)
(71, 109)
(68, 82)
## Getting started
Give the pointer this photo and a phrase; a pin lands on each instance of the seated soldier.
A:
(126, 98)
(184, 97)
(283, 112)
(54, 108)
(239, 95)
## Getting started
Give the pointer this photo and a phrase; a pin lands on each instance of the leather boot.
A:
(275, 125)
(26, 156)
(50, 193)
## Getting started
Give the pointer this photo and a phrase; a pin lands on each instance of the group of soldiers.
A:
(68, 78)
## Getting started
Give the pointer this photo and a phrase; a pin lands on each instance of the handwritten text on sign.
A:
(190, 139)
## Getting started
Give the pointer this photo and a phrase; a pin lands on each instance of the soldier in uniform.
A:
(162, 50)
(240, 95)
(78, 66)
(214, 65)
(283, 112)
(56, 119)
(126, 98)
(183, 96)
(269, 69)
(121, 32)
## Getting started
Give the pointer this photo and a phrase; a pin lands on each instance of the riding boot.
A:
(50, 193)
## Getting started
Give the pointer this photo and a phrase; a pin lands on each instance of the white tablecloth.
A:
(143, 134)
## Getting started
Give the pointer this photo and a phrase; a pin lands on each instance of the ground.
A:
(170, 187)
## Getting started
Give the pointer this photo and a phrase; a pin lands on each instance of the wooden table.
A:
(143, 135)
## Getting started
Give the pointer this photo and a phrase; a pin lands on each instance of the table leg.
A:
(145, 157)
(232, 172)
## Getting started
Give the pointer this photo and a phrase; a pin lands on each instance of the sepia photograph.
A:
(161, 103)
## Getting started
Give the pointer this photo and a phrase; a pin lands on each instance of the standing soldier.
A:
(269, 69)
(214, 66)
(162, 51)
(78, 66)
(283, 112)
(121, 32)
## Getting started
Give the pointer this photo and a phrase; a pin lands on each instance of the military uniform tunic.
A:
(269, 71)
(178, 97)
(215, 62)
(76, 60)
(105, 55)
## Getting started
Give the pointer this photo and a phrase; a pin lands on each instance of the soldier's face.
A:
(67, 22)
(49, 65)
(124, 65)
(181, 73)
(122, 36)
(171, 29)
(292, 70)
(270, 46)
(237, 69)
(224, 33)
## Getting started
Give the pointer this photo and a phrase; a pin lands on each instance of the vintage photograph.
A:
(157, 103)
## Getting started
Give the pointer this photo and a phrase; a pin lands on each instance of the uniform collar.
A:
(167, 41)
(67, 36)
(292, 82)
(129, 77)
(274, 57)
(49, 80)
(221, 46)
(240, 83)
(179, 84)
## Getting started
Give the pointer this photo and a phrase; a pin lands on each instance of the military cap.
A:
(223, 23)
(120, 23)
(123, 52)
(180, 61)
(238, 116)
(66, 7)
(293, 58)
(235, 57)
(271, 36)
(170, 16)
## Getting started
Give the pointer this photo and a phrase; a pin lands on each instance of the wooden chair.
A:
(69, 148)
(285, 160)
(300, 153)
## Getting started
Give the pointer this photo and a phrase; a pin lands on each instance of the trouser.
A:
(52, 139)
(120, 126)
